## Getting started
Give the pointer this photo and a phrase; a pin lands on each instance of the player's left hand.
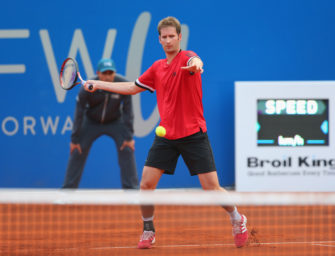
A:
(128, 143)
(194, 67)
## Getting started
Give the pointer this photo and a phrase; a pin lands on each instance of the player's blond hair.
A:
(169, 22)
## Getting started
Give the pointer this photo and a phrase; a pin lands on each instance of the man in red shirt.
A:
(179, 94)
(178, 86)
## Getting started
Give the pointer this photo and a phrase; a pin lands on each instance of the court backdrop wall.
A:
(238, 41)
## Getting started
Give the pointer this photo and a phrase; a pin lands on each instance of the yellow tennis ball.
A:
(160, 131)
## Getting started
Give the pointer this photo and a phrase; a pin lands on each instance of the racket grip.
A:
(90, 87)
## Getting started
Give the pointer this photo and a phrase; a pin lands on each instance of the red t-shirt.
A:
(179, 95)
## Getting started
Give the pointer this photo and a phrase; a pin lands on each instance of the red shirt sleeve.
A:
(189, 55)
(147, 79)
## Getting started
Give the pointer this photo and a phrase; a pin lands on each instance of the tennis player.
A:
(178, 86)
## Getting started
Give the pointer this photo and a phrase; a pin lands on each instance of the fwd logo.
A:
(78, 47)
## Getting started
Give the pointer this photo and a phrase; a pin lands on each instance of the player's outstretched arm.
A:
(126, 88)
(195, 65)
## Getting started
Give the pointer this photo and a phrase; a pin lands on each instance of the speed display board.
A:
(284, 136)
(292, 122)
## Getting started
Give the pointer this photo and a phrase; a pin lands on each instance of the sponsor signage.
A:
(283, 136)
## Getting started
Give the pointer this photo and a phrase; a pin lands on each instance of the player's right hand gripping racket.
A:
(69, 73)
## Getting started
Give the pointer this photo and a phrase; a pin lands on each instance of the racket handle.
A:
(90, 86)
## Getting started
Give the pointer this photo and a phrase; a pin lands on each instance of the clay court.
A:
(60, 230)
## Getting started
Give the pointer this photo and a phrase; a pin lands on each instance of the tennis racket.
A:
(69, 74)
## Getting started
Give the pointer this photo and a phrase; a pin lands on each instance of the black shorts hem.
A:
(201, 172)
(165, 171)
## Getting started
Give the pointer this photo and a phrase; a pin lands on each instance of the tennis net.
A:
(187, 222)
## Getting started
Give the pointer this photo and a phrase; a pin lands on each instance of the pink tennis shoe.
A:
(240, 232)
(147, 240)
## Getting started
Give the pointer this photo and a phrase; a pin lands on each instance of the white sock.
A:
(148, 219)
(234, 215)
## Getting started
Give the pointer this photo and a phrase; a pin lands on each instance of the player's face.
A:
(107, 76)
(170, 40)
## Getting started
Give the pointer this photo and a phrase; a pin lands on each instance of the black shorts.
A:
(195, 150)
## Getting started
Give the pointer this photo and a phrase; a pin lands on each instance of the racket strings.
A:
(69, 74)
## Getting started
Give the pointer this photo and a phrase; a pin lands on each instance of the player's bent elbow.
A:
(134, 89)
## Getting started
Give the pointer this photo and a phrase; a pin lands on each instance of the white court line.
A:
(283, 243)
(326, 245)
(320, 243)
(164, 246)
(316, 243)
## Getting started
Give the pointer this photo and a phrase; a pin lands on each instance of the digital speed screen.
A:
(292, 122)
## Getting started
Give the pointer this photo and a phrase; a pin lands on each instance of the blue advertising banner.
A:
(237, 40)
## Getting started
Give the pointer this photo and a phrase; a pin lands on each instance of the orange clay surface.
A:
(78, 230)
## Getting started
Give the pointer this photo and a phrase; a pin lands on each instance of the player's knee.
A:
(147, 185)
